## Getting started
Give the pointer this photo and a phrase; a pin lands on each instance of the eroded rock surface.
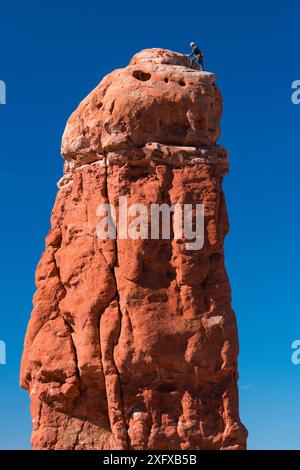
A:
(133, 343)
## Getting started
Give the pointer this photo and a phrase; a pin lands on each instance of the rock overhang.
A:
(156, 98)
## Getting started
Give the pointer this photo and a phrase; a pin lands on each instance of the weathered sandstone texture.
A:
(133, 343)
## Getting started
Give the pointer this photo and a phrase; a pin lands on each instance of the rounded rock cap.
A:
(159, 56)
(156, 98)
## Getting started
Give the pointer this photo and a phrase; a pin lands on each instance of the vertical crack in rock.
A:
(109, 330)
(132, 343)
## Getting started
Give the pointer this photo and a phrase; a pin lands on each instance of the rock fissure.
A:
(111, 373)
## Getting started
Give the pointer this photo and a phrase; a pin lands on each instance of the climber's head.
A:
(192, 44)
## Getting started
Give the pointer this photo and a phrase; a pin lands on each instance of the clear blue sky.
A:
(52, 55)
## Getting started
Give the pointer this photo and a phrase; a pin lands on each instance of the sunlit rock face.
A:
(132, 343)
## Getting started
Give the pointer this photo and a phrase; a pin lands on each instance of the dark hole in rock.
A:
(166, 388)
(215, 257)
(112, 106)
(182, 83)
(166, 80)
(142, 76)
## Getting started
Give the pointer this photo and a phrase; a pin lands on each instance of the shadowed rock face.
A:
(133, 343)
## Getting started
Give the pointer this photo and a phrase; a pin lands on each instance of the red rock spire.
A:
(132, 343)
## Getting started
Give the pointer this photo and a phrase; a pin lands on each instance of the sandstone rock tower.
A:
(133, 343)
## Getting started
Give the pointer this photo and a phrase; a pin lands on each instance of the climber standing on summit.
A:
(196, 57)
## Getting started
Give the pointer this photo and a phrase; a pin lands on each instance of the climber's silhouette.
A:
(196, 57)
